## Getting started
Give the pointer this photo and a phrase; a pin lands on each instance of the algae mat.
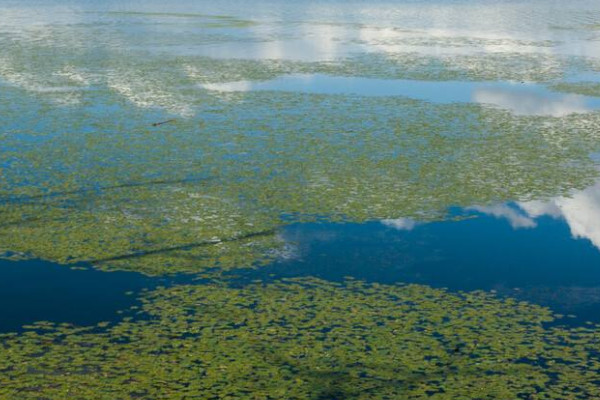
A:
(122, 148)
(309, 339)
(209, 192)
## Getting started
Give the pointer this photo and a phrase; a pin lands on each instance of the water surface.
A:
(35, 290)
(357, 199)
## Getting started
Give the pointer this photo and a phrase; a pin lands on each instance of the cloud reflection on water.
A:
(401, 224)
(530, 102)
(581, 212)
(520, 99)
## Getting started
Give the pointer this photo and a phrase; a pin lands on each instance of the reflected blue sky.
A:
(518, 97)
(580, 211)
(546, 256)
(547, 251)
(545, 264)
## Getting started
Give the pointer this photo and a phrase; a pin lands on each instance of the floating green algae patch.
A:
(38, 66)
(501, 66)
(86, 54)
(135, 228)
(204, 20)
(398, 65)
(308, 339)
(386, 36)
(85, 177)
(582, 88)
(212, 190)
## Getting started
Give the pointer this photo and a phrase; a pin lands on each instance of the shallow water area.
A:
(518, 97)
(300, 200)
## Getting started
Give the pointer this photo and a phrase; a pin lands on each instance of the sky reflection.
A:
(534, 102)
(519, 98)
(100, 45)
(581, 212)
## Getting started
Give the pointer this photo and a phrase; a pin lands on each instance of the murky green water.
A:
(324, 200)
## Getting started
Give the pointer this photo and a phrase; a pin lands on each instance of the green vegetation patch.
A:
(582, 88)
(213, 190)
(308, 339)
(87, 174)
(204, 20)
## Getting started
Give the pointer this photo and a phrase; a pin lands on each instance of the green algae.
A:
(213, 191)
(582, 88)
(90, 53)
(387, 36)
(92, 44)
(403, 65)
(84, 177)
(205, 20)
(308, 339)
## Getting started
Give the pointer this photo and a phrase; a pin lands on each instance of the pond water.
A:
(519, 98)
(497, 249)
(300, 200)
(35, 290)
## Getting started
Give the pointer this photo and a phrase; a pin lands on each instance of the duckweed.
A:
(85, 176)
(212, 191)
(308, 339)
(583, 88)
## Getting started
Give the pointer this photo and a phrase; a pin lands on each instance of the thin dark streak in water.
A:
(187, 246)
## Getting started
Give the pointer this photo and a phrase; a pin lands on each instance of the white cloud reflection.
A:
(529, 102)
(401, 224)
(514, 217)
(581, 212)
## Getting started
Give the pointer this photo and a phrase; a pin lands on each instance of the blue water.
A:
(188, 142)
(522, 98)
(544, 264)
(74, 61)
(36, 290)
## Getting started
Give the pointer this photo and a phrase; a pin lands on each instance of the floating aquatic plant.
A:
(187, 193)
(308, 339)
(583, 88)
(87, 175)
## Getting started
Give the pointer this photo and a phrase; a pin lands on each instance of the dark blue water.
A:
(544, 252)
(37, 290)
(542, 264)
